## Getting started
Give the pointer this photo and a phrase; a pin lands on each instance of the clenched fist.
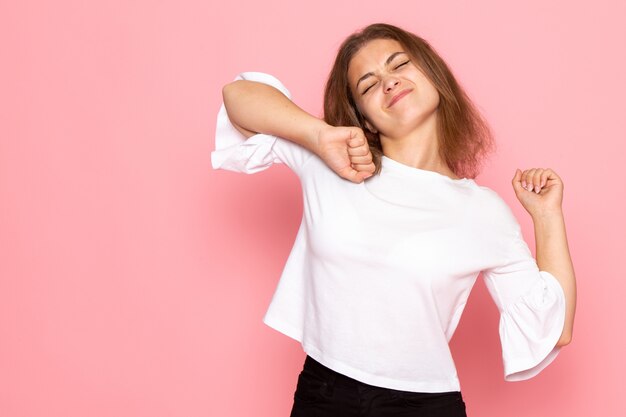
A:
(345, 150)
(539, 190)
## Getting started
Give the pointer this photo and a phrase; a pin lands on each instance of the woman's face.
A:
(391, 92)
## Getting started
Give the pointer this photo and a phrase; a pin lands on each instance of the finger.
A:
(536, 180)
(547, 175)
(353, 175)
(369, 167)
(364, 175)
(544, 177)
(517, 181)
(358, 159)
(523, 179)
(356, 139)
(356, 142)
(358, 151)
(527, 179)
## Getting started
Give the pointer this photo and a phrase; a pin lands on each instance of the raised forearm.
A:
(553, 256)
(261, 108)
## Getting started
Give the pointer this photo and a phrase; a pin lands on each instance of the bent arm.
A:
(553, 256)
(255, 107)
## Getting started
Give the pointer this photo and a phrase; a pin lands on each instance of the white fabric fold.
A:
(531, 327)
(233, 152)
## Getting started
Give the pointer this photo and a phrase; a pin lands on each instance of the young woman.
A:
(395, 230)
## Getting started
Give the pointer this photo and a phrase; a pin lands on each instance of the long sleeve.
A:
(234, 152)
(532, 311)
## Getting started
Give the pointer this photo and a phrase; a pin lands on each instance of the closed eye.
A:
(366, 90)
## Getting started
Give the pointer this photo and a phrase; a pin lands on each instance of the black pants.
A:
(322, 392)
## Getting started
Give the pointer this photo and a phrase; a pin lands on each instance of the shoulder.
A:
(492, 212)
(490, 200)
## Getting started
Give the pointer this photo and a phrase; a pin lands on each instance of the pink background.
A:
(133, 278)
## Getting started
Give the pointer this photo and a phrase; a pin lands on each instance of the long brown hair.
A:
(464, 136)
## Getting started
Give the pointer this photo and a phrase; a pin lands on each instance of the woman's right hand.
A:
(345, 150)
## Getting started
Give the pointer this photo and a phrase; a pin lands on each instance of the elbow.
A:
(565, 340)
(231, 88)
(232, 92)
(229, 95)
(227, 90)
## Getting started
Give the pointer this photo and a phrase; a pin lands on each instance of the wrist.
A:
(547, 216)
(313, 134)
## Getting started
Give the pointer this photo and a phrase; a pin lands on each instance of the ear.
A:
(370, 127)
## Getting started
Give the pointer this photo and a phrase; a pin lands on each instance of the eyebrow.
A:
(387, 62)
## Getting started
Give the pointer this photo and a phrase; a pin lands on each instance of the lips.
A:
(399, 96)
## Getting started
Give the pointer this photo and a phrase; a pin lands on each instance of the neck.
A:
(418, 149)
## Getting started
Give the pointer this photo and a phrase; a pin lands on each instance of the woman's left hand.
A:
(539, 190)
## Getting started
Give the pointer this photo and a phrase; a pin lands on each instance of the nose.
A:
(391, 83)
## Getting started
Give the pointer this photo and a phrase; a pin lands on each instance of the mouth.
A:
(399, 96)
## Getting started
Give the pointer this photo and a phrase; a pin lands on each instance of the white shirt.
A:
(380, 271)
